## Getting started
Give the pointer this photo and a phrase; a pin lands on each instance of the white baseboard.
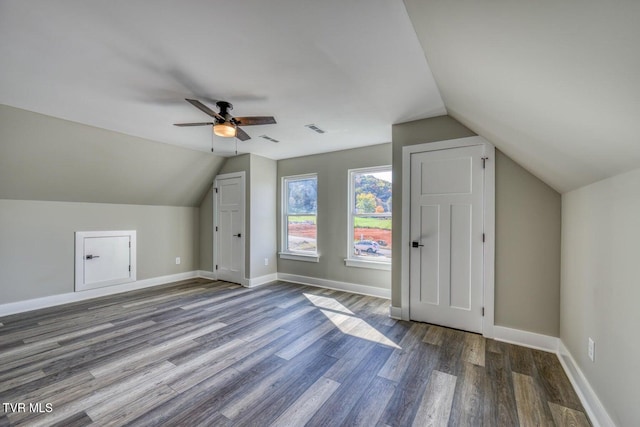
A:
(66, 298)
(395, 312)
(53, 300)
(597, 413)
(526, 339)
(340, 286)
(262, 280)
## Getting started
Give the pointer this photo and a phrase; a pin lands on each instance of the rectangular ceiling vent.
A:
(314, 128)
(268, 138)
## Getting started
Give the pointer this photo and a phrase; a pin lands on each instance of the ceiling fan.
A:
(224, 123)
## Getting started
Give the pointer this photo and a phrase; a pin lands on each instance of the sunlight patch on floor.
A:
(348, 323)
(357, 327)
(328, 303)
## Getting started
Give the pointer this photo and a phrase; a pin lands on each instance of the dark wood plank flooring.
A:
(213, 353)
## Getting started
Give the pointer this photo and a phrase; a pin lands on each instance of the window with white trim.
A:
(299, 215)
(369, 216)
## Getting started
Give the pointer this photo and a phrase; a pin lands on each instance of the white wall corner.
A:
(598, 415)
(259, 281)
(339, 286)
(526, 339)
(395, 312)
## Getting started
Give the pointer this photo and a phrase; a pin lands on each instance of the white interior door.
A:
(446, 254)
(230, 228)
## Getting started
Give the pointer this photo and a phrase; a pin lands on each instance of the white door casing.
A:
(448, 199)
(229, 226)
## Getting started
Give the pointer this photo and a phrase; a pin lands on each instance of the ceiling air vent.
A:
(314, 128)
(268, 138)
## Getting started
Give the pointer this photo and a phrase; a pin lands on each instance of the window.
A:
(299, 215)
(370, 217)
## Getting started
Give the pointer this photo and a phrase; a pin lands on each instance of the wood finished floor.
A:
(212, 353)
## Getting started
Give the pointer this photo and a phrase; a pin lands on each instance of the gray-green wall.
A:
(263, 220)
(45, 158)
(527, 268)
(528, 218)
(333, 185)
(51, 168)
(37, 242)
(206, 231)
(600, 295)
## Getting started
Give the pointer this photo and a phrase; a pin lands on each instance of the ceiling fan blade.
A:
(200, 106)
(241, 135)
(193, 124)
(255, 120)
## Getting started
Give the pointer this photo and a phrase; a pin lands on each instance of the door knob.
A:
(416, 245)
(91, 256)
(237, 235)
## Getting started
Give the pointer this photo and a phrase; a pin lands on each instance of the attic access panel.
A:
(104, 258)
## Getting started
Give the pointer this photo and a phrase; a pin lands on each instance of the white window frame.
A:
(352, 259)
(285, 252)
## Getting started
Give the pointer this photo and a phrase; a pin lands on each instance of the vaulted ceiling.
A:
(553, 84)
(351, 68)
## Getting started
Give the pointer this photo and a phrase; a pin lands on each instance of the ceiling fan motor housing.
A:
(224, 107)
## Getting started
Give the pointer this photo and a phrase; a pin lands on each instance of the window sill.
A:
(299, 257)
(368, 264)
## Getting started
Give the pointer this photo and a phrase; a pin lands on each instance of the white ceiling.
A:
(351, 68)
(554, 84)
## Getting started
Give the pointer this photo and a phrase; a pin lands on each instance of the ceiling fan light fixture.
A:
(225, 130)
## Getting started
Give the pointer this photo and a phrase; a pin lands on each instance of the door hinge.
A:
(129, 268)
(484, 161)
(482, 311)
(129, 244)
(483, 237)
(216, 228)
(215, 188)
(216, 266)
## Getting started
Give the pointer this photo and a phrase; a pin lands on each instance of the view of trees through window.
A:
(301, 205)
(371, 213)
